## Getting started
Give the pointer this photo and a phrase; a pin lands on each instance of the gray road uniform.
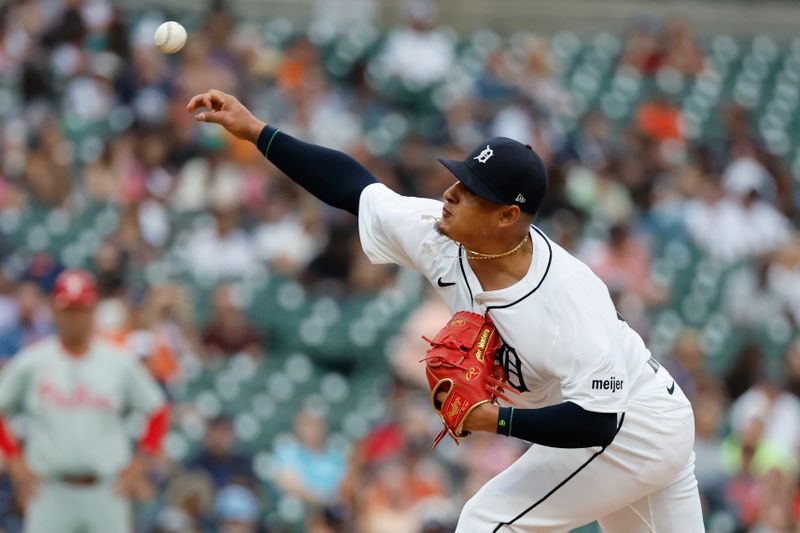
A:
(75, 437)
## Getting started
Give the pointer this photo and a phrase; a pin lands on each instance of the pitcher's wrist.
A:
(255, 130)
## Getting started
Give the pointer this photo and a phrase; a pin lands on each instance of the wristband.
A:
(265, 139)
(504, 421)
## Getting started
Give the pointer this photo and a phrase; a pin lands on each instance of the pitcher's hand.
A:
(227, 111)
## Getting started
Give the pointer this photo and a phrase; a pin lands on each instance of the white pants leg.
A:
(550, 490)
(663, 511)
(61, 508)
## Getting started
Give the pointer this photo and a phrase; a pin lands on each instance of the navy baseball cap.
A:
(503, 171)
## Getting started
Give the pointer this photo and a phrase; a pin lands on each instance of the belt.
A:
(84, 480)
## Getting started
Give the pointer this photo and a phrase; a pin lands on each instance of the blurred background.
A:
(672, 136)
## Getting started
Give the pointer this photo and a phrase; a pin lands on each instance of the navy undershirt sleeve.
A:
(332, 176)
(565, 425)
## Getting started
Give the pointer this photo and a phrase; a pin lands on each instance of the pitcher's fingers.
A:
(210, 116)
(194, 103)
(218, 99)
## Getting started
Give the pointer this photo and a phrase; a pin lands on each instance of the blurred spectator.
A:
(624, 264)
(688, 365)
(651, 46)
(114, 314)
(745, 173)
(593, 144)
(190, 499)
(748, 297)
(331, 270)
(165, 330)
(288, 235)
(222, 250)
(397, 494)
(238, 510)
(747, 368)
(484, 457)
(32, 320)
(393, 456)
(200, 69)
(416, 53)
(777, 409)
(642, 49)
(661, 119)
(110, 268)
(539, 79)
(309, 468)
(172, 520)
(43, 269)
(709, 408)
(229, 331)
(8, 303)
(792, 367)
(407, 427)
(783, 278)
(10, 510)
(47, 169)
(411, 347)
(744, 224)
(748, 455)
(219, 458)
(496, 82)
(212, 180)
(758, 469)
(680, 49)
(599, 194)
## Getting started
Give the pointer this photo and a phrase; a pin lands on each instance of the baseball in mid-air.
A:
(170, 37)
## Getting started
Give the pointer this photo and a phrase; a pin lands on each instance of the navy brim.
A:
(471, 181)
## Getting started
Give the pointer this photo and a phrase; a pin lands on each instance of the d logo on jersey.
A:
(513, 367)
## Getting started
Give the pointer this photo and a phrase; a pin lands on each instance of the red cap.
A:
(75, 288)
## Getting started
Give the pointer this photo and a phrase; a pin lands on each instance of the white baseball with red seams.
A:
(170, 37)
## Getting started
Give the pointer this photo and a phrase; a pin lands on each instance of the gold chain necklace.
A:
(475, 255)
(479, 255)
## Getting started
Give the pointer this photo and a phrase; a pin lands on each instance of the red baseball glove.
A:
(462, 362)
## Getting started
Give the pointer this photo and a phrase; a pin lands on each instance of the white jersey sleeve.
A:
(141, 390)
(14, 380)
(587, 356)
(395, 228)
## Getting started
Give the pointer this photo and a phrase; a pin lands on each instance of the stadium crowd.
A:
(94, 115)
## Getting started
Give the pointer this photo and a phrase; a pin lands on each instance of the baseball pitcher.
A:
(76, 472)
(612, 432)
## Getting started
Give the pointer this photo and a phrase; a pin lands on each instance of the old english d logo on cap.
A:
(503, 171)
(484, 156)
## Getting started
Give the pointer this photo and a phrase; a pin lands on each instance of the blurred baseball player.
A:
(613, 433)
(76, 471)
